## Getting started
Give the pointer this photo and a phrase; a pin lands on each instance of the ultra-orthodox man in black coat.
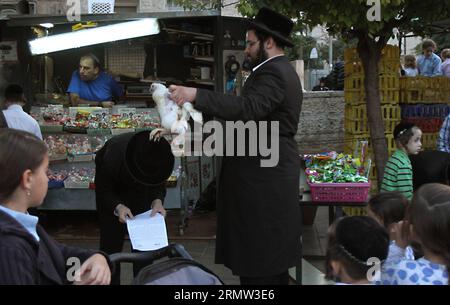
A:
(258, 213)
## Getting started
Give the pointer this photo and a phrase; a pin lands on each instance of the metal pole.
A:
(330, 58)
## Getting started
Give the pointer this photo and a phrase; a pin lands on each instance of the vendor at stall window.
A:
(91, 85)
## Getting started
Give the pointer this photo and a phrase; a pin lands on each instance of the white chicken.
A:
(174, 119)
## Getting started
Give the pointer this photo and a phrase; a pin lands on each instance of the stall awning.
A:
(33, 20)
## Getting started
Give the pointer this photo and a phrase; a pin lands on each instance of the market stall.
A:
(186, 51)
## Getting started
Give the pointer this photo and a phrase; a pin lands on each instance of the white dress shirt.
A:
(254, 69)
(16, 118)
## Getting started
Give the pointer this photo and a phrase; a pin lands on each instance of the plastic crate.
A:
(51, 128)
(350, 211)
(425, 111)
(385, 82)
(388, 112)
(351, 142)
(358, 96)
(356, 121)
(429, 140)
(427, 125)
(362, 126)
(55, 184)
(422, 89)
(339, 192)
(389, 61)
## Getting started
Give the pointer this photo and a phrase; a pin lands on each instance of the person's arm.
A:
(96, 267)
(76, 100)
(258, 101)
(437, 69)
(444, 136)
(157, 195)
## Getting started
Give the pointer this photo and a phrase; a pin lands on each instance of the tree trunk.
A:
(370, 54)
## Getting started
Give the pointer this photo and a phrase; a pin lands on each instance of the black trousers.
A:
(112, 236)
(279, 279)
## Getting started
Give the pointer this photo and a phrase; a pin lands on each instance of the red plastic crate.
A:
(339, 192)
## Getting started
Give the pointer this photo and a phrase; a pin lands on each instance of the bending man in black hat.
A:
(258, 229)
(130, 178)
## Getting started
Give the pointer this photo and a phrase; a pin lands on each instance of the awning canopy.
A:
(34, 20)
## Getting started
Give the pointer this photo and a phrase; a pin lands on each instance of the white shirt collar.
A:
(15, 107)
(29, 222)
(254, 69)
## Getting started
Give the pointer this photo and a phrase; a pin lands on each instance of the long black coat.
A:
(25, 261)
(258, 217)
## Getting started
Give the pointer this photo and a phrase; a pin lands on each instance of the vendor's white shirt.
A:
(16, 118)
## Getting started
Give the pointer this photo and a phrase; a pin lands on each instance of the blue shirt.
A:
(429, 66)
(444, 136)
(29, 222)
(101, 89)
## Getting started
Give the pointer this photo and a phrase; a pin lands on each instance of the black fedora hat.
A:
(149, 162)
(276, 25)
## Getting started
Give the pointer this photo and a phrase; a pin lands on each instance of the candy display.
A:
(56, 178)
(54, 115)
(56, 146)
(80, 178)
(79, 145)
(335, 168)
(97, 142)
(84, 120)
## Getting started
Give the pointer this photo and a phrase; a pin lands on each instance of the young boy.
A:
(429, 64)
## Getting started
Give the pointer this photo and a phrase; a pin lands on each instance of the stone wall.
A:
(321, 125)
(147, 6)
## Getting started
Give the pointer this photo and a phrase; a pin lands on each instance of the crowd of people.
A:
(427, 63)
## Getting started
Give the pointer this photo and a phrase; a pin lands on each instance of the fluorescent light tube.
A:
(46, 25)
(87, 37)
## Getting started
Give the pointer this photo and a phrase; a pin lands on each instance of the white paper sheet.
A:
(147, 233)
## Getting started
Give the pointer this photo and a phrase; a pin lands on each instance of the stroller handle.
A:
(172, 250)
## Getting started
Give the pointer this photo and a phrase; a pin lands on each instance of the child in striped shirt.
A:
(398, 175)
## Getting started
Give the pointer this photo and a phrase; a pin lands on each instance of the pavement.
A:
(198, 240)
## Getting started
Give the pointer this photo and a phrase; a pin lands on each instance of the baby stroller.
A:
(177, 269)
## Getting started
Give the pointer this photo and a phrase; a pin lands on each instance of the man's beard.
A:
(261, 56)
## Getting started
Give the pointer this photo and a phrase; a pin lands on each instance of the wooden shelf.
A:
(201, 81)
(202, 58)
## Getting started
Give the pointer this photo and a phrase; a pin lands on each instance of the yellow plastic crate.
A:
(389, 61)
(355, 68)
(362, 126)
(351, 142)
(358, 96)
(389, 112)
(388, 52)
(429, 140)
(350, 211)
(423, 89)
(385, 82)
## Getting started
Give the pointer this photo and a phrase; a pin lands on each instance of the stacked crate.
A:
(425, 102)
(356, 121)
